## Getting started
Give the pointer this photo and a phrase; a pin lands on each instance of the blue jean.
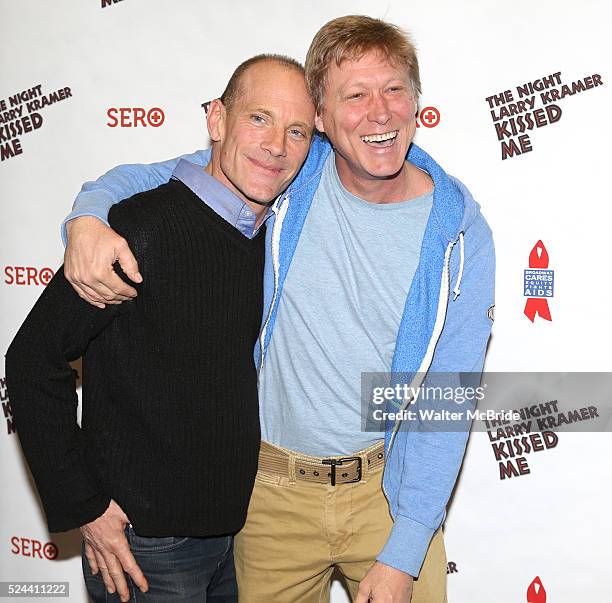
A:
(178, 570)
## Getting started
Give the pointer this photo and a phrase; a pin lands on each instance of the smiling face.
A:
(368, 114)
(261, 141)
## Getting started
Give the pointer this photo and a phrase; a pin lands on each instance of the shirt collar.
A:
(219, 198)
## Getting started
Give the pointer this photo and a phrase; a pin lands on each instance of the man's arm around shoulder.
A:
(92, 246)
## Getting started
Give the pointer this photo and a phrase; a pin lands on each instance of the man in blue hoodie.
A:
(362, 252)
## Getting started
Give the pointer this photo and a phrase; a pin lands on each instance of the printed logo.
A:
(538, 284)
(515, 113)
(451, 568)
(491, 313)
(131, 117)
(29, 547)
(536, 592)
(27, 275)
(106, 3)
(513, 439)
(6, 407)
(429, 117)
(19, 115)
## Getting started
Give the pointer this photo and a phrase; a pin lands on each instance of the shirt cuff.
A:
(407, 545)
(92, 203)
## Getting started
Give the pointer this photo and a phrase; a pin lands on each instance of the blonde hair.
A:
(350, 38)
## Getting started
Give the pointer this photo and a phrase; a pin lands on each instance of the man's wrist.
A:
(405, 574)
(68, 224)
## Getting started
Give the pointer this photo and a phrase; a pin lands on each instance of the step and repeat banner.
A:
(516, 103)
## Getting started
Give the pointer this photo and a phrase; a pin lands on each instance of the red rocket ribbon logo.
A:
(536, 592)
(538, 258)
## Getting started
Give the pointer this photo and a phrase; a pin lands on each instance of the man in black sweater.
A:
(159, 474)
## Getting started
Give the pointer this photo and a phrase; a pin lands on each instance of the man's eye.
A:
(355, 96)
(297, 133)
(258, 119)
(396, 88)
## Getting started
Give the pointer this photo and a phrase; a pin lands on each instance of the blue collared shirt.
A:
(219, 198)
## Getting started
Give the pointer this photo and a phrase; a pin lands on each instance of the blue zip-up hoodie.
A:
(438, 332)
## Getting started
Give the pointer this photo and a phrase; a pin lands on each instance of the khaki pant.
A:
(297, 533)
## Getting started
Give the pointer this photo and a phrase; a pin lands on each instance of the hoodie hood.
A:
(454, 207)
(452, 216)
(471, 208)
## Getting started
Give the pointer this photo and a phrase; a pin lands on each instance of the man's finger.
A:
(121, 550)
(117, 576)
(102, 291)
(113, 287)
(88, 295)
(128, 264)
(118, 288)
(91, 558)
(363, 595)
(108, 581)
(133, 569)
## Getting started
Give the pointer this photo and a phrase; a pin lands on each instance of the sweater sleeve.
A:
(42, 388)
(98, 196)
(42, 391)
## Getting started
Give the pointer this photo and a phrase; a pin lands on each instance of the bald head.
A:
(235, 86)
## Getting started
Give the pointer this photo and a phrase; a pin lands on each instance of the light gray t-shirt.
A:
(338, 316)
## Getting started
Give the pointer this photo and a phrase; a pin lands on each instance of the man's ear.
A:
(215, 120)
(319, 123)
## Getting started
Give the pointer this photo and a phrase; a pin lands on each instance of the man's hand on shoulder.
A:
(385, 584)
(108, 551)
(92, 250)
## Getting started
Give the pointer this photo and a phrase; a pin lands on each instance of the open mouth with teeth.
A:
(380, 140)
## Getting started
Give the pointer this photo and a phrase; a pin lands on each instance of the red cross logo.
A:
(430, 117)
(155, 117)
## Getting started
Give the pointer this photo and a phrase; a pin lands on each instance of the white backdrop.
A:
(500, 534)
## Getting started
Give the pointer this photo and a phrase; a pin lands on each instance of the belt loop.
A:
(364, 467)
(291, 467)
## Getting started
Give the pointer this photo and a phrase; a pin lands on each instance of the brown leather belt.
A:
(333, 470)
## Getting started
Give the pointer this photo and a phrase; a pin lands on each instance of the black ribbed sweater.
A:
(170, 426)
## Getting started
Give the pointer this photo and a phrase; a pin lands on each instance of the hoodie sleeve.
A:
(97, 197)
(432, 458)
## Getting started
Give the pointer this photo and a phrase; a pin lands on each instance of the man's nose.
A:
(378, 110)
(275, 142)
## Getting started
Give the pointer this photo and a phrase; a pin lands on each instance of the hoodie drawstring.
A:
(457, 290)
